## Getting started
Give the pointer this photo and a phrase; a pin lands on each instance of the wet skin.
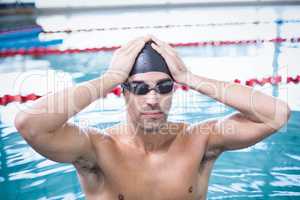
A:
(178, 170)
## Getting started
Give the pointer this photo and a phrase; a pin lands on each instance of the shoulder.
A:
(101, 140)
(202, 129)
(204, 133)
(189, 135)
(97, 135)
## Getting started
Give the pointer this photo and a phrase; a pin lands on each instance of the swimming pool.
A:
(267, 170)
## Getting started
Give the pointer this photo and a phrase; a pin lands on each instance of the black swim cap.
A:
(149, 60)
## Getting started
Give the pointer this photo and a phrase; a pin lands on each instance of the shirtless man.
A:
(148, 157)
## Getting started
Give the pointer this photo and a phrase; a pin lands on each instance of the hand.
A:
(176, 66)
(124, 58)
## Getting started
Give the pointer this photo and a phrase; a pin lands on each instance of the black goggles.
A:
(141, 88)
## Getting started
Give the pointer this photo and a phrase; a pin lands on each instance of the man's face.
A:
(148, 111)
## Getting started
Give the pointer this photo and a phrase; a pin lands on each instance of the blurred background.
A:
(49, 45)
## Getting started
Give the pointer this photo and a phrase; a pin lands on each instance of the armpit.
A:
(211, 154)
(86, 165)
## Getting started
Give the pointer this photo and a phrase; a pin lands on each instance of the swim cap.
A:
(149, 60)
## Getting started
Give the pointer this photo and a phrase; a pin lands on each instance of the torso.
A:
(178, 172)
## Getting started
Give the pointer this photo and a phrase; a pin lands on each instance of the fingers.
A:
(162, 51)
(157, 41)
(147, 38)
(160, 43)
(158, 49)
(131, 47)
(133, 42)
(164, 45)
(136, 46)
(129, 44)
(135, 49)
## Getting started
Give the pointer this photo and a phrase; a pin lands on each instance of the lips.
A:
(153, 114)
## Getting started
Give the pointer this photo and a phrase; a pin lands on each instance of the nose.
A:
(152, 98)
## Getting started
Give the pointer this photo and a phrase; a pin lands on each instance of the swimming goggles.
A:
(141, 88)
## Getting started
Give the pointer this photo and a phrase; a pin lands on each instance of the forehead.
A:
(149, 76)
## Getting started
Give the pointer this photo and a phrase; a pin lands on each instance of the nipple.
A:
(121, 197)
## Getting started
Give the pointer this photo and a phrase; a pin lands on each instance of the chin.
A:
(151, 128)
(152, 125)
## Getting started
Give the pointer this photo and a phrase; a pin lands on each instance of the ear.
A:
(174, 89)
(125, 94)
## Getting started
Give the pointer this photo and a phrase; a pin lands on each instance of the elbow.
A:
(20, 121)
(289, 112)
(284, 113)
(23, 126)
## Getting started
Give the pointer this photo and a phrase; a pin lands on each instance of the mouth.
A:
(153, 114)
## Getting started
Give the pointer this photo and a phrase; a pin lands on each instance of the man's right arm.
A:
(44, 125)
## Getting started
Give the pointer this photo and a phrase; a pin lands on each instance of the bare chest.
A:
(164, 175)
(158, 176)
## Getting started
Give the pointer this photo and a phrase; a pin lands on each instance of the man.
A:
(148, 157)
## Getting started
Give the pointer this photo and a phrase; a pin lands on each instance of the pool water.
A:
(268, 170)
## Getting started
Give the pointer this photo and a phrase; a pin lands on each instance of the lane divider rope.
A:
(273, 80)
(69, 30)
(41, 51)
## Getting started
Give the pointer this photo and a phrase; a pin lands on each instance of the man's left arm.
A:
(258, 115)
